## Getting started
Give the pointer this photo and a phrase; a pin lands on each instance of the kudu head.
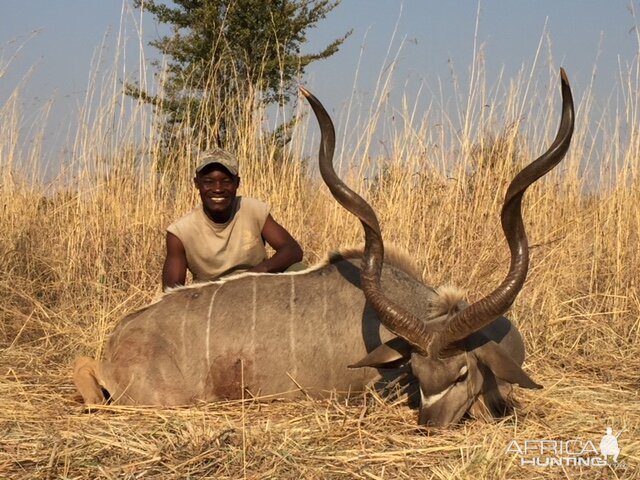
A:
(453, 353)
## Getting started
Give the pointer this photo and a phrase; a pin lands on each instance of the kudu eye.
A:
(463, 374)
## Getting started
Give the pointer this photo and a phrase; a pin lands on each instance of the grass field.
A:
(84, 249)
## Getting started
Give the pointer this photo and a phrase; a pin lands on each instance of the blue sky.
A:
(51, 44)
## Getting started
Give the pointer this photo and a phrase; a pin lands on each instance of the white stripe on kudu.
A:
(207, 345)
(254, 319)
(292, 321)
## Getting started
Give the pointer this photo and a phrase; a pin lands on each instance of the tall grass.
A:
(80, 251)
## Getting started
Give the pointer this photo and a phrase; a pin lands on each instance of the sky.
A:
(49, 48)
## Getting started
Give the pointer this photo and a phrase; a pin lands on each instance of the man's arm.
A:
(287, 249)
(174, 272)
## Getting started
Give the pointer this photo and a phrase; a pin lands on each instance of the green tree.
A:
(223, 51)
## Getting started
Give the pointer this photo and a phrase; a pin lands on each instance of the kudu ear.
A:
(502, 366)
(389, 352)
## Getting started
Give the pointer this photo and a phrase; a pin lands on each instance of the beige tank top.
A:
(215, 250)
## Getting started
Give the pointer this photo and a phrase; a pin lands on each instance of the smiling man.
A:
(227, 233)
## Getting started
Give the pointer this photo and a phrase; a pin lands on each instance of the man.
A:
(227, 233)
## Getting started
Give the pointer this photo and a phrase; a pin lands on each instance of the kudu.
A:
(323, 330)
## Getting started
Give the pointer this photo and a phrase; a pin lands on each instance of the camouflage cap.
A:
(217, 155)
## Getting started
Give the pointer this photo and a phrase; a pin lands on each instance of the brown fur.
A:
(85, 377)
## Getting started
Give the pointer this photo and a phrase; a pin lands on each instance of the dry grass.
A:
(78, 253)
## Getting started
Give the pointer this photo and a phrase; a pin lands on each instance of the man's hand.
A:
(287, 249)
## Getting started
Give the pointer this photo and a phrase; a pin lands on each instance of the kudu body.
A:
(339, 326)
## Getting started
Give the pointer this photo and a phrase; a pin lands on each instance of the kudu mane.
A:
(395, 256)
(448, 298)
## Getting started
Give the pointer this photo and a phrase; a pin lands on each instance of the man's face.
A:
(217, 188)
